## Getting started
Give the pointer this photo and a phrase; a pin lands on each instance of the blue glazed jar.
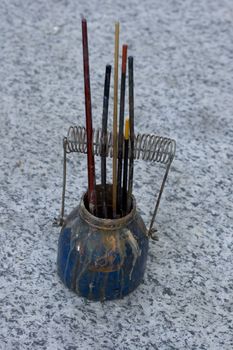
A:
(102, 259)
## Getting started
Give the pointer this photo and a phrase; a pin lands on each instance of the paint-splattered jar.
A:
(102, 259)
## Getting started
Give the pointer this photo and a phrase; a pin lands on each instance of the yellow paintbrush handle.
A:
(127, 129)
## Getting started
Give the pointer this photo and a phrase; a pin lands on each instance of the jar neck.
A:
(106, 224)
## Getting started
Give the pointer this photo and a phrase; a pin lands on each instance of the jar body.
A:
(102, 259)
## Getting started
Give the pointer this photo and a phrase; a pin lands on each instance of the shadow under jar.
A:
(102, 259)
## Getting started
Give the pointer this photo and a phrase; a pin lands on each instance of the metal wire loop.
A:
(146, 146)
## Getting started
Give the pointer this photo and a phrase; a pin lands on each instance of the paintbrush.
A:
(104, 136)
(131, 124)
(125, 171)
(121, 128)
(114, 157)
(87, 90)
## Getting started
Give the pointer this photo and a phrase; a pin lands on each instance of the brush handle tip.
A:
(124, 57)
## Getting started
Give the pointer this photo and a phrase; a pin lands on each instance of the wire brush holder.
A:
(102, 258)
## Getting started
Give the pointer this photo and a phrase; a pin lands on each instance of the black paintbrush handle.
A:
(104, 136)
(125, 177)
(131, 125)
(121, 129)
(120, 145)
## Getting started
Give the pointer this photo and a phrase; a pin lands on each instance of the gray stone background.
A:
(183, 89)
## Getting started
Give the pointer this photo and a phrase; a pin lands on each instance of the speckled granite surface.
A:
(183, 89)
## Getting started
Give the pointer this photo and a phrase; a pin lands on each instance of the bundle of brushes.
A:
(123, 138)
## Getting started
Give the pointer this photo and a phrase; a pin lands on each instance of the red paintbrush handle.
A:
(124, 58)
(87, 90)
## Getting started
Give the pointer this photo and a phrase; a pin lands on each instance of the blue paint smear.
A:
(63, 251)
(78, 272)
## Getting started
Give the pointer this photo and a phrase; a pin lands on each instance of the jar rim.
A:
(105, 223)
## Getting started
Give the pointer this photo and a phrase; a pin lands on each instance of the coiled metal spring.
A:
(146, 146)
